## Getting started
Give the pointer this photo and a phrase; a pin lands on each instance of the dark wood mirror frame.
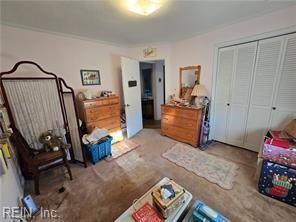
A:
(198, 67)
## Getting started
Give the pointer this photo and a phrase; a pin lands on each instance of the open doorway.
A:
(152, 92)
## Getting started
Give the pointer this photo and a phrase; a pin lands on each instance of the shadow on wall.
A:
(117, 77)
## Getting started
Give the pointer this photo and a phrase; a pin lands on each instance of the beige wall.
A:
(11, 187)
(163, 53)
(63, 56)
(200, 49)
(66, 56)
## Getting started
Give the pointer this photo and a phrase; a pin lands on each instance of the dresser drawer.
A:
(113, 100)
(106, 123)
(183, 113)
(179, 133)
(179, 122)
(96, 103)
(103, 112)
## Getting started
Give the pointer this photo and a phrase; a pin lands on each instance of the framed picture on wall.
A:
(90, 77)
(149, 52)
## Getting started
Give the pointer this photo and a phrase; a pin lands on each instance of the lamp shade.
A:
(199, 90)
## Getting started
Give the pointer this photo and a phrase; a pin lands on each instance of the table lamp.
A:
(199, 92)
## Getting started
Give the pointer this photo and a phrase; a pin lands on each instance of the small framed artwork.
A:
(149, 52)
(90, 77)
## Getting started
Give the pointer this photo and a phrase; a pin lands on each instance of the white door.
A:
(131, 84)
(222, 94)
(245, 55)
(266, 70)
(284, 105)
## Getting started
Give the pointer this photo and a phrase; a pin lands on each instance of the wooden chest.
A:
(102, 113)
(181, 123)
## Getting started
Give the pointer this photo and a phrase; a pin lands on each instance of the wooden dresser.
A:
(102, 113)
(181, 123)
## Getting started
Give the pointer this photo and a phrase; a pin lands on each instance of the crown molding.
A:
(30, 28)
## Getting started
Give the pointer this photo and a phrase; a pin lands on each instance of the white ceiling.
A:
(108, 21)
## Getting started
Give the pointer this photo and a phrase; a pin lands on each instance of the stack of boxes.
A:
(277, 166)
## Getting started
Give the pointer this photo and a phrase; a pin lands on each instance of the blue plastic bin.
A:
(99, 150)
(204, 213)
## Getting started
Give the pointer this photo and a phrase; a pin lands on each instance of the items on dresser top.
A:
(89, 94)
(106, 93)
(103, 112)
(182, 102)
(181, 123)
(200, 93)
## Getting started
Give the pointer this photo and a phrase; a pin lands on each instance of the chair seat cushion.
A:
(46, 157)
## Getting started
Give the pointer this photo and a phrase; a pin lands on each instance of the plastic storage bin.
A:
(99, 150)
(200, 212)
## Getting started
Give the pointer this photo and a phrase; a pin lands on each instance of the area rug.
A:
(122, 147)
(212, 168)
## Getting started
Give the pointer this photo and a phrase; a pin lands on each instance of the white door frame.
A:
(165, 82)
(133, 109)
(165, 70)
(252, 38)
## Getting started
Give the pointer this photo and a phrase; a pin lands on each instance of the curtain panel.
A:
(35, 106)
(73, 127)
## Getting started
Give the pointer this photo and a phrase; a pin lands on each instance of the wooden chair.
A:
(32, 164)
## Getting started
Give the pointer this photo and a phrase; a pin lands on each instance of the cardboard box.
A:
(278, 182)
(291, 128)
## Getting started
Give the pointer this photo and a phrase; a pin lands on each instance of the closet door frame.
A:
(231, 88)
(242, 144)
(249, 146)
(229, 91)
(278, 79)
(257, 37)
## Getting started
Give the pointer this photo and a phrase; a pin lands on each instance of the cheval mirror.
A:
(189, 77)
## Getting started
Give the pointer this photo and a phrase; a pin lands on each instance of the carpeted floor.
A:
(104, 191)
(151, 124)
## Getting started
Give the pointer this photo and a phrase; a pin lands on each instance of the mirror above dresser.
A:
(189, 77)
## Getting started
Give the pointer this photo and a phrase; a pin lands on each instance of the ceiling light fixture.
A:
(144, 7)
